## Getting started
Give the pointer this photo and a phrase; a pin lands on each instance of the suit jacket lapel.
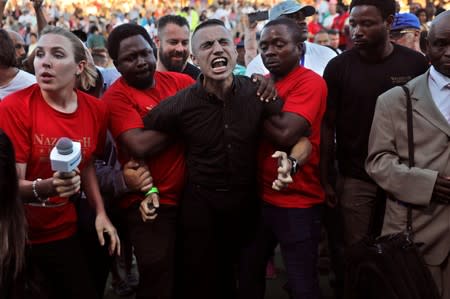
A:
(424, 104)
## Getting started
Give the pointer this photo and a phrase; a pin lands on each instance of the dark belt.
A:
(213, 188)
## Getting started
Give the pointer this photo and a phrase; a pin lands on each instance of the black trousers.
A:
(98, 259)
(60, 270)
(214, 226)
(154, 248)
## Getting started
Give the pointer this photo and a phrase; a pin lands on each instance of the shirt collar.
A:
(201, 91)
(439, 79)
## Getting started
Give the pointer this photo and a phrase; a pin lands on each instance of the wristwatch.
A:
(294, 167)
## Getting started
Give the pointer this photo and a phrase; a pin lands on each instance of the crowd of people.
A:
(209, 139)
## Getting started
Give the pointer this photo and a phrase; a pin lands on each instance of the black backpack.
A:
(388, 267)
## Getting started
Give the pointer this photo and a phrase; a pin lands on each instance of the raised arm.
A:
(250, 43)
(41, 20)
(2, 11)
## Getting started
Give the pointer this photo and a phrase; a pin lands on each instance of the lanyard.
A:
(302, 59)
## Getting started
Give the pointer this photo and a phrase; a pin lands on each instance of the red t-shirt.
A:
(313, 29)
(339, 25)
(128, 106)
(34, 128)
(304, 93)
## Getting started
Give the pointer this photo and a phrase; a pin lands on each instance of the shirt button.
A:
(229, 146)
(226, 126)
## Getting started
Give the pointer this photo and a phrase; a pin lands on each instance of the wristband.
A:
(151, 191)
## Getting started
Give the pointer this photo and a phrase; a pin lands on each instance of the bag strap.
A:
(409, 124)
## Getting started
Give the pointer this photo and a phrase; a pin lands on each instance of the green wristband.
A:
(151, 191)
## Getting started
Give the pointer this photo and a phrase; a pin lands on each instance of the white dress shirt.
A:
(440, 91)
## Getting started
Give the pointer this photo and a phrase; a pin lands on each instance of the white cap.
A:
(288, 7)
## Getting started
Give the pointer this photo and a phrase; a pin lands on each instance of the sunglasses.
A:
(399, 34)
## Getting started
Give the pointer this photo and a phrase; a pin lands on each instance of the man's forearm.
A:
(40, 16)
(250, 44)
(285, 133)
(40, 20)
(301, 151)
(142, 144)
(110, 180)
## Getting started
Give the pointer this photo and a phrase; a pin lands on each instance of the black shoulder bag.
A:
(390, 266)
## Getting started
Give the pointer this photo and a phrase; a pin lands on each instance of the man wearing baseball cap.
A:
(405, 31)
(315, 57)
(290, 7)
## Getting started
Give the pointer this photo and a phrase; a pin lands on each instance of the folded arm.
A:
(414, 185)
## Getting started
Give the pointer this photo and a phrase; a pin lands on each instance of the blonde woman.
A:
(35, 118)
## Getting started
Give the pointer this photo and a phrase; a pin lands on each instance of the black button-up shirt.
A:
(221, 137)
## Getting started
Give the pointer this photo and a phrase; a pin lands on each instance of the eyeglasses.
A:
(399, 34)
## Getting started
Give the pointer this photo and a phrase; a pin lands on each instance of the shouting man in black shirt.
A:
(219, 119)
(139, 90)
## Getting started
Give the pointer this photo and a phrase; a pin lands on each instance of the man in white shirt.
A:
(328, 20)
(322, 9)
(425, 187)
(11, 78)
(315, 57)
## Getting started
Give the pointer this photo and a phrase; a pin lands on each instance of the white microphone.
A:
(65, 156)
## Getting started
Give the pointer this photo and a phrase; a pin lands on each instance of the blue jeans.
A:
(298, 232)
